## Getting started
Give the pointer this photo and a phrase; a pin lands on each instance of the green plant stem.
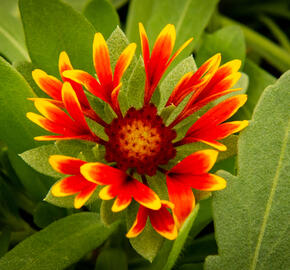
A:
(274, 54)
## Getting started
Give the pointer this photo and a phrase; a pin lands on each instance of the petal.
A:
(73, 107)
(143, 194)
(62, 137)
(163, 46)
(84, 195)
(181, 90)
(145, 46)
(210, 135)
(206, 182)
(69, 186)
(196, 163)
(228, 128)
(103, 174)
(139, 223)
(183, 46)
(121, 202)
(115, 101)
(163, 223)
(102, 59)
(88, 81)
(53, 113)
(48, 84)
(64, 63)
(45, 123)
(218, 114)
(215, 144)
(182, 197)
(123, 63)
(66, 165)
(108, 192)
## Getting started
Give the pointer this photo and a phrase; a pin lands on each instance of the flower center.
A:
(140, 140)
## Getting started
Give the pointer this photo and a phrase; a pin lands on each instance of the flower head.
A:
(139, 142)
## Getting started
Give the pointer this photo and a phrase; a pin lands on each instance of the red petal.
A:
(68, 186)
(121, 202)
(84, 195)
(145, 46)
(139, 223)
(143, 194)
(66, 165)
(65, 64)
(163, 223)
(123, 63)
(182, 197)
(89, 82)
(53, 113)
(48, 84)
(206, 182)
(45, 123)
(102, 60)
(73, 107)
(103, 174)
(196, 163)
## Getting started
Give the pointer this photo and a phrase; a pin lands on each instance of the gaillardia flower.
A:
(138, 142)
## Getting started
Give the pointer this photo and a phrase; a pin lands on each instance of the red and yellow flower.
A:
(139, 141)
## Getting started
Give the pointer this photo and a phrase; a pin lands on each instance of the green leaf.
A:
(199, 250)
(229, 41)
(117, 42)
(25, 69)
(4, 241)
(38, 157)
(12, 44)
(190, 18)
(139, 11)
(136, 86)
(179, 242)
(51, 27)
(250, 215)
(148, 243)
(107, 215)
(59, 245)
(170, 251)
(46, 213)
(16, 130)
(171, 80)
(112, 259)
(191, 266)
(35, 184)
(203, 218)
(258, 80)
(102, 16)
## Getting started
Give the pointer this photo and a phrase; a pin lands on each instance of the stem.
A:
(274, 54)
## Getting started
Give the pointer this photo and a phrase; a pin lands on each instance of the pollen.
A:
(140, 141)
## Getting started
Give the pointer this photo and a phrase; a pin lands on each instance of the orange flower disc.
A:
(140, 140)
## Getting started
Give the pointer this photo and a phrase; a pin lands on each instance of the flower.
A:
(139, 142)
(74, 184)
